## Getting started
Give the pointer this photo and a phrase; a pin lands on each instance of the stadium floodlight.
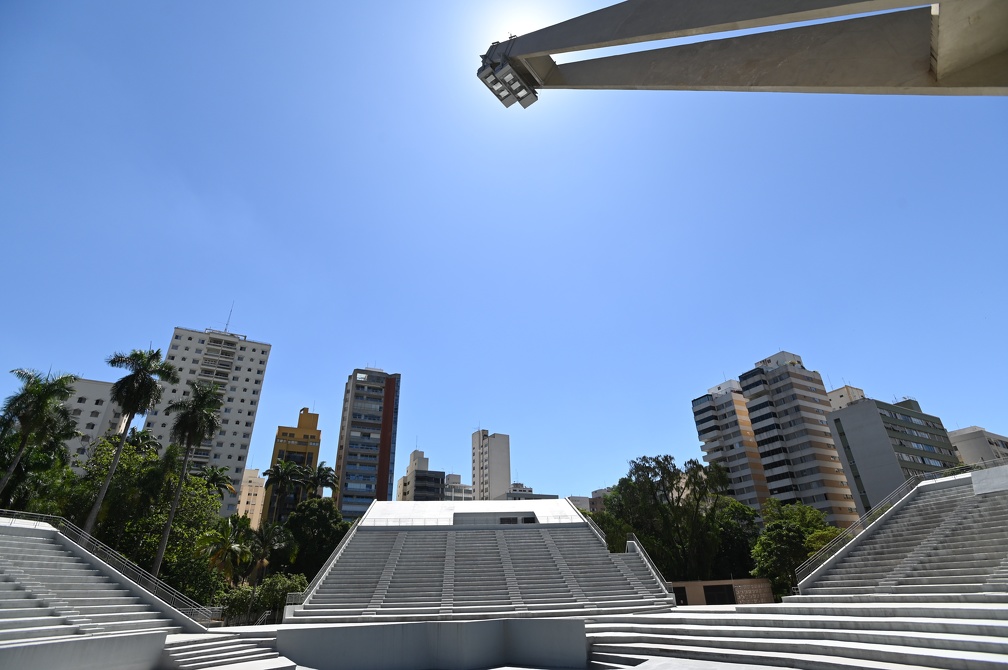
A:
(507, 84)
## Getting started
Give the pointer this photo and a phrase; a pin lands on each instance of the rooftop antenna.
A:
(829, 380)
(230, 311)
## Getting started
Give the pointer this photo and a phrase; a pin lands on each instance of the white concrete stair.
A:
(222, 651)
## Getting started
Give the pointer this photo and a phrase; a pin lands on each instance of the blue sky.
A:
(572, 274)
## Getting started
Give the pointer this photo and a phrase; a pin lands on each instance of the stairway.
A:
(421, 574)
(74, 592)
(222, 651)
(823, 636)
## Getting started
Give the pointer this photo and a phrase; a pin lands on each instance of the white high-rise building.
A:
(491, 465)
(238, 365)
(96, 414)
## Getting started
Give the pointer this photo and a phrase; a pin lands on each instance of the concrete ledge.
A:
(990, 481)
(128, 651)
(438, 645)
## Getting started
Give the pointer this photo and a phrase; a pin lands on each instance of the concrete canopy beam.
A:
(636, 21)
(961, 50)
(886, 53)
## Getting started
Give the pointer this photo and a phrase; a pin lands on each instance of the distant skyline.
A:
(573, 274)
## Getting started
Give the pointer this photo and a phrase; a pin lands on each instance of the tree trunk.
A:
(93, 516)
(17, 459)
(171, 513)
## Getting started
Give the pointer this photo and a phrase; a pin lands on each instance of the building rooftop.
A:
(443, 512)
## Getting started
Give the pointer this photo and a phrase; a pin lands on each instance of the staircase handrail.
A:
(594, 526)
(631, 537)
(176, 599)
(299, 597)
(856, 528)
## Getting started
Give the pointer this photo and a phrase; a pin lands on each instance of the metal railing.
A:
(859, 526)
(133, 572)
(298, 597)
(632, 538)
(389, 522)
(594, 527)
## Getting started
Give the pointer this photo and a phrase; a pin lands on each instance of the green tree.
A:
(280, 479)
(227, 546)
(322, 477)
(316, 527)
(217, 479)
(33, 412)
(137, 393)
(267, 539)
(788, 533)
(197, 418)
(673, 511)
(737, 532)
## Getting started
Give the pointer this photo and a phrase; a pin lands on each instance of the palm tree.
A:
(31, 410)
(217, 479)
(136, 393)
(322, 477)
(228, 546)
(266, 539)
(197, 418)
(282, 477)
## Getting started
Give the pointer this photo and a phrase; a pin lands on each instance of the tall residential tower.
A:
(237, 365)
(491, 465)
(365, 455)
(784, 413)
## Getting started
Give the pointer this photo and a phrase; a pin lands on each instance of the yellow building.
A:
(250, 501)
(298, 444)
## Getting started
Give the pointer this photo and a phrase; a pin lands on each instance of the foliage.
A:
(316, 527)
(281, 479)
(274, 589)
(36, 414)
(197, 418)
(227, 546)
(322, 477)
(235, 602)
(737, 531)
(217, 479)
(615, 530)
(136, 393)
(674, 512)
(790, 534)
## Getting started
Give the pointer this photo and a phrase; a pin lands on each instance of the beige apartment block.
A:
(251, 497)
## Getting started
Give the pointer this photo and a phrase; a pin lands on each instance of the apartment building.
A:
(779, 407)
(97, 416)
(491, 465)
(365, 455)
(882, 445)
(723, 425)
(300, 444)
(456, 490)
(975, 445)
(420, 482)
(251, 497)
(238, 366)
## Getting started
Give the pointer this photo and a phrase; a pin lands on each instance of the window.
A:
(82, 399)
(95, 414)
(90, 426)
(99, 401)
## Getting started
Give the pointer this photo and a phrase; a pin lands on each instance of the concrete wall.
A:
(438, 645)
(128, 651)
(990, 481)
